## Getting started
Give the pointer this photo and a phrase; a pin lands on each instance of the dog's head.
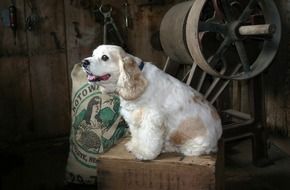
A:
(116, 71)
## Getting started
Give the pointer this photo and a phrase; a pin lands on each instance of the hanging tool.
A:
(109, 25)
(99, 18)
(56, 40)
(98, 15)
(77, 30)
(4, 18)
(127, 16)
(32, 22)
(13, 20)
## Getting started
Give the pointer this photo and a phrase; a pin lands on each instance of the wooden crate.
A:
(118, 169)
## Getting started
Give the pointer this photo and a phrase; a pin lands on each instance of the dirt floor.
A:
(41, 166)
(241, 174)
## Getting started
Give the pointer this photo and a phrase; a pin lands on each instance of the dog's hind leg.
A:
(195, 147)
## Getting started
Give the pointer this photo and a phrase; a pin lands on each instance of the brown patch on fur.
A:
(131, 81)
(188, 129)
(201, 100)
(129, 65)
(215, 114)
(198, 99)
(138, 115)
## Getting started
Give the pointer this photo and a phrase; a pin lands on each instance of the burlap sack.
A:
(96, 126)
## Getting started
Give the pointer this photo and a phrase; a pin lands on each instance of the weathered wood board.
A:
(48, 69)
(118, 169)
(34, 81)
(50, 95)
(15, 99)
(11, 45)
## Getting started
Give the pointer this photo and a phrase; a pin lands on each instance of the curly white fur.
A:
(163, 113)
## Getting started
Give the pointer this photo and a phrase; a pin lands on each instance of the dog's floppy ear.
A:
(131, 83)
(137, 60)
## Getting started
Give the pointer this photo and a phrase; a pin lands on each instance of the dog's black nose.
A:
(85, 63)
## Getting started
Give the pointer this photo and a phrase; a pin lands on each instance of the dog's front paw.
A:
(129, 146)
(142, 155)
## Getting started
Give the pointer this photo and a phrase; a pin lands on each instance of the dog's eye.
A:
(105, 58)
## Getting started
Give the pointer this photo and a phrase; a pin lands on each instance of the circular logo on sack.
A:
(95, 121)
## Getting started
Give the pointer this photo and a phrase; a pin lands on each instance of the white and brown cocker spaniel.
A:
(163, 114)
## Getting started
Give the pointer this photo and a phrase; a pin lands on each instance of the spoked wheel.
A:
(241, 37)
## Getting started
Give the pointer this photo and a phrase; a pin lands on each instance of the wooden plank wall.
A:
(15, 92)
(48, 69)
(276, 97)
(277, 79)
(34, 76)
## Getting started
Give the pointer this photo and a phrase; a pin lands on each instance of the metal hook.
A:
(103, 11)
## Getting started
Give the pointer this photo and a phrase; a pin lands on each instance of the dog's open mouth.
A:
(94, 78)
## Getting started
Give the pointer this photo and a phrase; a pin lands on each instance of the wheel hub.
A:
(233, 31)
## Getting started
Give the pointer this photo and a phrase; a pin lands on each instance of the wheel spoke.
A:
(247, 11)
(218, 12)
(227, 10)
(243, 55)
(217, 56)
(214, 60)
(211, 27)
